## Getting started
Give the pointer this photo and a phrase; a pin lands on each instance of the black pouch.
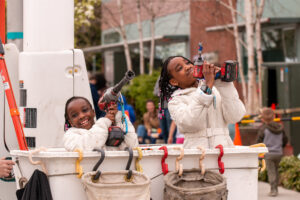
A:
(115, 136)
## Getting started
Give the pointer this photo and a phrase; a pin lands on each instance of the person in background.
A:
(129, 111)
(273, 136)
(151, 124)
(86, 134)
(95, 96)
(101, 83)
(5, 167)
(178, 138)
(165, 118)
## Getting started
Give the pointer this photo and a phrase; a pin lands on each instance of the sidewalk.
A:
(283, 194)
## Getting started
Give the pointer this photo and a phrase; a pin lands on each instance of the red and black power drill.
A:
(228, 73)
(111, 96)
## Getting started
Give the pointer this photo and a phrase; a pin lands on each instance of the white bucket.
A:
(241, 168)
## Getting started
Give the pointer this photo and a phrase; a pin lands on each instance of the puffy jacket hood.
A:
(274, 127)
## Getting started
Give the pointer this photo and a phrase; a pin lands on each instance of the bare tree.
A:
(252, 94)
(259, 12)
(252, 97)
(140, 30)
(238, 51)
(153, 14)
(124, 36)
(118, 26)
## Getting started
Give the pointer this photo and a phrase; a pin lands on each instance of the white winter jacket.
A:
(96, 136)
(202, 118)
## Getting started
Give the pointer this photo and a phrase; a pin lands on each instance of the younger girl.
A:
(85, 134)
(202, 110)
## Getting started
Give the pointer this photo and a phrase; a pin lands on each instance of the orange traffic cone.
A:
(237, 138)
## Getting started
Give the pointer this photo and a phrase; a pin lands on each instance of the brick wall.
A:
(206, 14)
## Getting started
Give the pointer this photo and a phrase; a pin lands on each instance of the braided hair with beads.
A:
(166, 89)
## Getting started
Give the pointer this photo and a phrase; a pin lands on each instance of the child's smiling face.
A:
(80, 114)
(181, 71)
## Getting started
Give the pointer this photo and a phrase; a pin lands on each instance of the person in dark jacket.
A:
(273, 136)
(129, 110)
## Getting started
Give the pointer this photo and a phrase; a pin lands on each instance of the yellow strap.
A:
(263, 162)
(295, 118)
(138, 166)
(78, 167)
(247, 121)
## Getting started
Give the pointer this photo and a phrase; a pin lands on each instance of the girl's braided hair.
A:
(67, 123)
(166, 89)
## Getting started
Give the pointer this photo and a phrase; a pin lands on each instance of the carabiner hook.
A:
(164, 165)
(129, 176)
(137, 160)
(97, 175)
(220, 163)
(179, 167)
(201, 165)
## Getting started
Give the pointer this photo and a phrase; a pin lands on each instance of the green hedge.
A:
(140, 90)
(289, 170)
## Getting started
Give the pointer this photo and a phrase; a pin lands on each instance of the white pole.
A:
(48, 25)
(15, 22)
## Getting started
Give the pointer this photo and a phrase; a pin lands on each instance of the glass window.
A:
(164, 51)
(289, 45)
(110, 38)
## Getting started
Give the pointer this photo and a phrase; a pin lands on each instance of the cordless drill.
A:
(228, 73)
(115, 134)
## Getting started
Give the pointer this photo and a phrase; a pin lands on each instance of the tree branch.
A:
(232, 9)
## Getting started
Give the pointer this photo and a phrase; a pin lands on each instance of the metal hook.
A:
(220, 163)
(97, 175)
(179, 167)
(164, 165)
(78, 167)
(41, 163)
(129, 176)
(137, 160)
(201, 165)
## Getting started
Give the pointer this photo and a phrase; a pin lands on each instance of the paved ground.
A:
(283, 194)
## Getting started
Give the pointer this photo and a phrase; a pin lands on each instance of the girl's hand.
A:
(170, 140)
(5, 167)
(209, 71)
(112, 111)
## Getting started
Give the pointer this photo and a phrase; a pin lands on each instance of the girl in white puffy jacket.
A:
(201, 110)
(86, 134)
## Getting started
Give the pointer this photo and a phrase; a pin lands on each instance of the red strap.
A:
(164, 165)
(220, 163)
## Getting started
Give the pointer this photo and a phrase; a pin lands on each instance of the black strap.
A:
(129, 174)
(4, 138)
(130, 157)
